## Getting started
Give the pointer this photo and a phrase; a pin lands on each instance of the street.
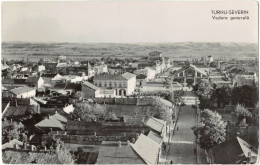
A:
(182, 142)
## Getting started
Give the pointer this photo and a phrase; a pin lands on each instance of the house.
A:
(65, 88)
(237, 151)
(129, 153)
(144, 144)
(55, 122)
(18, 108)
(157, 125)
(141, 79)
(124, 84)
(89, 90)
(35, 82)
(112, 153)
(40, 68)
(150, 73)
(9, 83)
(23, 92)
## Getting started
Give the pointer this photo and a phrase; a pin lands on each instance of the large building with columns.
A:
(189, 75)
(123, 84)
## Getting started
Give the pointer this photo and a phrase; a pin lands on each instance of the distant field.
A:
(19, 50)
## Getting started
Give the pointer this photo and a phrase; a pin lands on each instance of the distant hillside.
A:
(91, 50)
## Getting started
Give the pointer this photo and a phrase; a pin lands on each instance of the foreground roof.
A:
(111, 153)
(147, 149)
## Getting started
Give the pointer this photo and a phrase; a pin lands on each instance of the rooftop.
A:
(111, 153)
(21, 90)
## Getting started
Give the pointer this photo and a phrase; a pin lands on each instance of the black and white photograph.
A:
(130, 82)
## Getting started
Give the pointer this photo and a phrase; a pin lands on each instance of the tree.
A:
(210, 132)
(163, 112)
(11, 130)
(246, 95)
(242, 113)
(221, 95)
(86, 112)
(204, 88)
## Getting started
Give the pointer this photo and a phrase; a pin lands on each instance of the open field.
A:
(19, 50)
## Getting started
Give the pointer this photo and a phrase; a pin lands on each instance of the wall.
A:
(131, 84)
(27, 94)
(87, 92)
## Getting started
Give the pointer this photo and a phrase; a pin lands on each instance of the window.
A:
(100, 84)
(120, 85)
(181, 74)
(95, 84)
(115, 85)
(110, 84)
(105, 85)
(125, 85)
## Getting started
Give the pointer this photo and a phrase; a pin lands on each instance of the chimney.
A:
(95, 133)
(25, 146)
(45, 148)
(119, 143)
(128, 143)
(15, 102)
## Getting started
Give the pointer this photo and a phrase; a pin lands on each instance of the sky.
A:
(127, 22)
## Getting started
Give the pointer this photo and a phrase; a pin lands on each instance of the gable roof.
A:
(92, 86)
(128, 75)
(50, 122)
(18, 110)
(33, 79)
(60, 117)
(111, 153)
(21, 90)
(156, 125)
(147, 149)
(187, 67)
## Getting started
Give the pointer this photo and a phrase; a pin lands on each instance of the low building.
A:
(130, 153)
(189, 75)
(23, 92)
(35, 82)
(150, 73)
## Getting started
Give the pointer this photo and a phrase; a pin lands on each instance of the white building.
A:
(41, 68)
(124, 84)
(23, 92)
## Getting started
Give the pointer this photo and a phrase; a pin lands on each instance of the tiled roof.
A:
(155, 125)
(18, 110)
(109, 77)
(50, 122)
(68, 86)
(110, 153)
(33, 79)
(21, 90)
(144, 144)
(92, 86)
